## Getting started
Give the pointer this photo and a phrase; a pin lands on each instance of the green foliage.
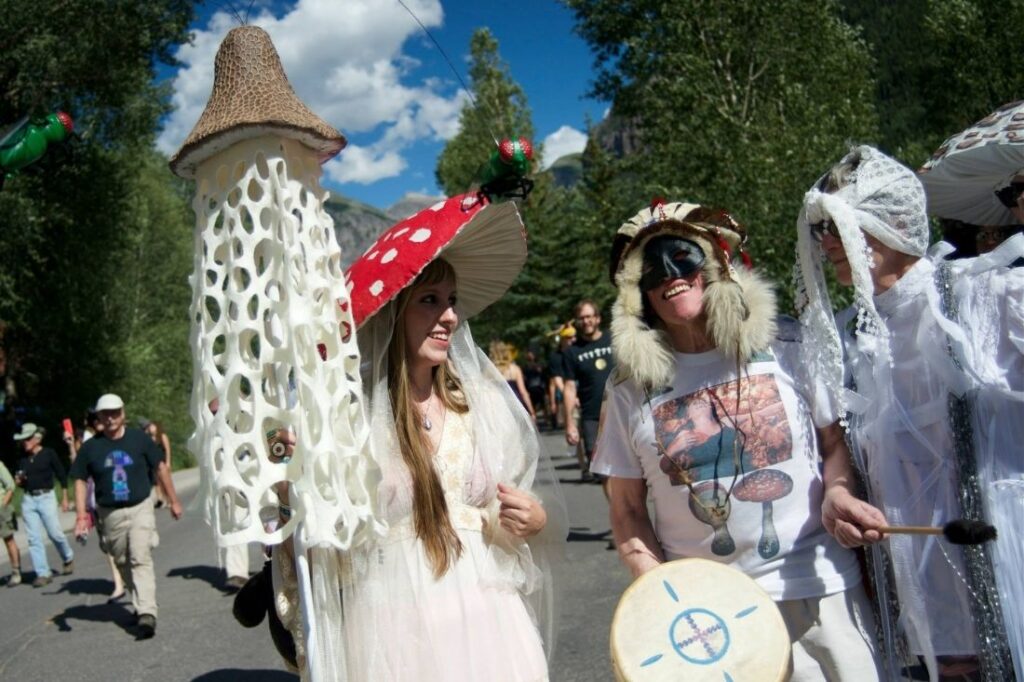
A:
(500, 111)
(95, 238)
(941, 65)
(94, 57)
(560, 222)
(736, 105)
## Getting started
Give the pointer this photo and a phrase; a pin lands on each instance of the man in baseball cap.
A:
(123, 462)
(36, 473)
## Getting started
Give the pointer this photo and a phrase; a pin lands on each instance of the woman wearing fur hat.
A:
(934, 387)
(710, 410)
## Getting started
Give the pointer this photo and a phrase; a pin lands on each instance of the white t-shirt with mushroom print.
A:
(755, 489)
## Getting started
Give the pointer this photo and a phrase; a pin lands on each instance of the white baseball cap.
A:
(109, 401)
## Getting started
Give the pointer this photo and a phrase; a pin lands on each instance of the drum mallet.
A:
(958, 532)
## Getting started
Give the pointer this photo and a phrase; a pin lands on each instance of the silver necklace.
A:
(427, 424)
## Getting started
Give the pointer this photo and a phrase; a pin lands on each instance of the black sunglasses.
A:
(1008, 195)
(818, 230)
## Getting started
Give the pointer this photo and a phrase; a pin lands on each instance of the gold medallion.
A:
(600, 363)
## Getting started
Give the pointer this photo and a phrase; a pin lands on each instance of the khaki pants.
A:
(832, 637)
(129, 534)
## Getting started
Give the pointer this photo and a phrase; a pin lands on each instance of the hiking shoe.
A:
(15, 579)
(147, 626)
(42, 581)
(69, 567)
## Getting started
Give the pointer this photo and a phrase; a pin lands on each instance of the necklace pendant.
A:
(427, 424)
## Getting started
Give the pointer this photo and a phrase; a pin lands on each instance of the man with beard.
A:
(587, 366)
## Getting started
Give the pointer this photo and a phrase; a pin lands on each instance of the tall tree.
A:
(941, 66)
(736, 105)
(75, 290)
(501, 111)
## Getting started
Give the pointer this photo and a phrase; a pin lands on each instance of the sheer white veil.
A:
(506, 443)
(900, 409)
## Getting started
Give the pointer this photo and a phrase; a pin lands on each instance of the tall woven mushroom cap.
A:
(251, 97)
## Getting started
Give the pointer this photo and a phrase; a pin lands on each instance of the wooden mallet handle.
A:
(912, 530)
(958, 532)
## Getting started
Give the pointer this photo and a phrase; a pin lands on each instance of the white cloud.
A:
(364, 165)
(345, 61)
(565, 140)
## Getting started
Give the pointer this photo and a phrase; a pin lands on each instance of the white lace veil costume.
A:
(485, 244)
(272, 348)
(934, 368)
(740, 306)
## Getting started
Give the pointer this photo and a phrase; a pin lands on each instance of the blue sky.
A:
(367, 68)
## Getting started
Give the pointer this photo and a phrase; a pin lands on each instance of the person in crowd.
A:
(124, 462)
(565, 337)
(588, 364)
(536, 383)
(933, 382)
(155, 431)
(501, 355)
(8, 524)
(989, 237)
(90, 428)
(709, 412)
(36, 474)
(460, 582)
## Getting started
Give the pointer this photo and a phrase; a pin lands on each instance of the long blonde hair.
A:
(500, 354)
(430, 511)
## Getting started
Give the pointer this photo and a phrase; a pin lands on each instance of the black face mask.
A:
(669, 257)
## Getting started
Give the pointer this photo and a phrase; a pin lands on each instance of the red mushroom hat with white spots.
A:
(484, 242)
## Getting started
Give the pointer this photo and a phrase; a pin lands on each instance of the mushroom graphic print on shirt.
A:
(765, 486)
(704, 431)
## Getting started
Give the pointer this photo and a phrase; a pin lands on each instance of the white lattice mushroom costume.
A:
(272, 343)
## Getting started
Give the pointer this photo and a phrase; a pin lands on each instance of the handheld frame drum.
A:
(697, 620)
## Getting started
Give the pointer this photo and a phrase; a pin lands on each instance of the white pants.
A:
(832, 637)
(236, 561)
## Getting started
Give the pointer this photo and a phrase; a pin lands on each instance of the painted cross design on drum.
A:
(698, 635)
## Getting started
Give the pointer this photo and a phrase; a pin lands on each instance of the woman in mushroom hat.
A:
(460, 587)
(710, 411)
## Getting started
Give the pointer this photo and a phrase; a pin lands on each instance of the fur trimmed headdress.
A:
(739, 303)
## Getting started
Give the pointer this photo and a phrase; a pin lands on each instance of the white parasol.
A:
(963, 174)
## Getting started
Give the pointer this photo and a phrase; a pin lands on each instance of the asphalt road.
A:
(67, 630)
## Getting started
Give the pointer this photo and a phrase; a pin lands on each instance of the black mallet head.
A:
(968, 532)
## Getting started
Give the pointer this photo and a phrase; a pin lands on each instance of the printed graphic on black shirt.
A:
(710, 441)
(589, 363)
(118, 460)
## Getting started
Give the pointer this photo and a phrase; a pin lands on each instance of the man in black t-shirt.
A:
(587, 366)
(124, 463)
